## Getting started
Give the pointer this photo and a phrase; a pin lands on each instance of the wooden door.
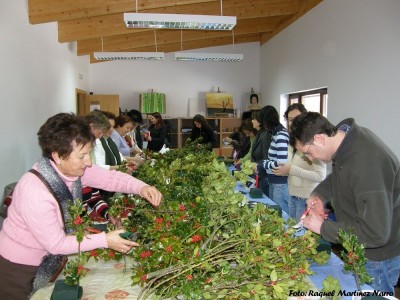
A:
(88, 103)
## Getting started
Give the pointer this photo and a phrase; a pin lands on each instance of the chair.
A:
(6, 199)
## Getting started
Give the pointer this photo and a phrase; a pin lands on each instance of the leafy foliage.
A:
(78, 222)
(204, 242)
(354, 257)
(331, 285)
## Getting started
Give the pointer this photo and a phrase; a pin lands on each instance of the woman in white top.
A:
(106, 153)
(303, 175)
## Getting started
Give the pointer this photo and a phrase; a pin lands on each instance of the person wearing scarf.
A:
(33, 233)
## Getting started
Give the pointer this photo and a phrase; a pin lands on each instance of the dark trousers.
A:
(16, 280)
(264, 185)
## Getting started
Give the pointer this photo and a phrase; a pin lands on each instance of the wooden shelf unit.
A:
(180, 130)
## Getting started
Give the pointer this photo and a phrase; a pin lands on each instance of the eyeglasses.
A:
(307, 154)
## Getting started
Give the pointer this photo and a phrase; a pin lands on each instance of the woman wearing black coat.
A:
(202, 132)
(158, 133)
(259, 150)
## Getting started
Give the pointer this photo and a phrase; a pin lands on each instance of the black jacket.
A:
(158, 136)
(207, 135)
(364, 190)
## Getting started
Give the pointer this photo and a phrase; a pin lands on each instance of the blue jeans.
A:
(385, 273)
(297, 205)
(280, 195)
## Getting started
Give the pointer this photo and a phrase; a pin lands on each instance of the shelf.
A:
(220, 125)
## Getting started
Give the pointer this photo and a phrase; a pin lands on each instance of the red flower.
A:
(78, 220)
(111, 254)
(192, 205)
(168, 248)
(189, 277)
(196, 238)
(93, 253)
(302, 271)
(145, 254)
(79, 270)
(182, 207)
(143, 278)
(168, 224)
(208, 280)
(159, 220)
(183, 217)
(280, 248)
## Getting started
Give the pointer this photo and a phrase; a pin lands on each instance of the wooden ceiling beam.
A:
(43, 11)
(109, 25)
(165, 36)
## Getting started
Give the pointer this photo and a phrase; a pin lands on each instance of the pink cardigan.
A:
(34, 227)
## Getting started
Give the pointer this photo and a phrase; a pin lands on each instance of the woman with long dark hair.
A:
(202, 132)
(259, 149)
(277, 155)
(158, 132)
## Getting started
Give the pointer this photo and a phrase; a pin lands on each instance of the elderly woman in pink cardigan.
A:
(33, 236)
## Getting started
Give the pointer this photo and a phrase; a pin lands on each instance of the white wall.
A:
(179, 80)
(351, 47)
(38, 77)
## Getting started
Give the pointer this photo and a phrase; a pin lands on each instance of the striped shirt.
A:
(277, 154)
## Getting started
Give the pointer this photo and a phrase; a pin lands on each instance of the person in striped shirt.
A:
(277, 155)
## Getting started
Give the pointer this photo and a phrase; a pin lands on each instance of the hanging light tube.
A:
(129, 55)
(179, 21)
(223, 57)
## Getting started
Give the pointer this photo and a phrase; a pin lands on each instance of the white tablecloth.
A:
(104, 280)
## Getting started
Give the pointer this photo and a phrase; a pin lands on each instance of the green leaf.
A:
(274, 275)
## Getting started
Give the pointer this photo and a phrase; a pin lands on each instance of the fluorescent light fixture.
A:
(129, 55)
(179, 21)
(190, 56)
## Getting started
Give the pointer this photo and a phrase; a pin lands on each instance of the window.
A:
(313, 100)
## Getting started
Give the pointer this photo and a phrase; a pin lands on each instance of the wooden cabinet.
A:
(86, 103)
(227, 127)
(180, 130)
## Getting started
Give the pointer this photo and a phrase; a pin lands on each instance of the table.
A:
(107, 280)
(334, 267)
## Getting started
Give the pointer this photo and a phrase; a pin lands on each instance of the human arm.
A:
(208, 136)
(298, 165)
(42, 226)
(157, 136)
(363, 199)
(317, 174)
(120, 182)
(277, 152)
